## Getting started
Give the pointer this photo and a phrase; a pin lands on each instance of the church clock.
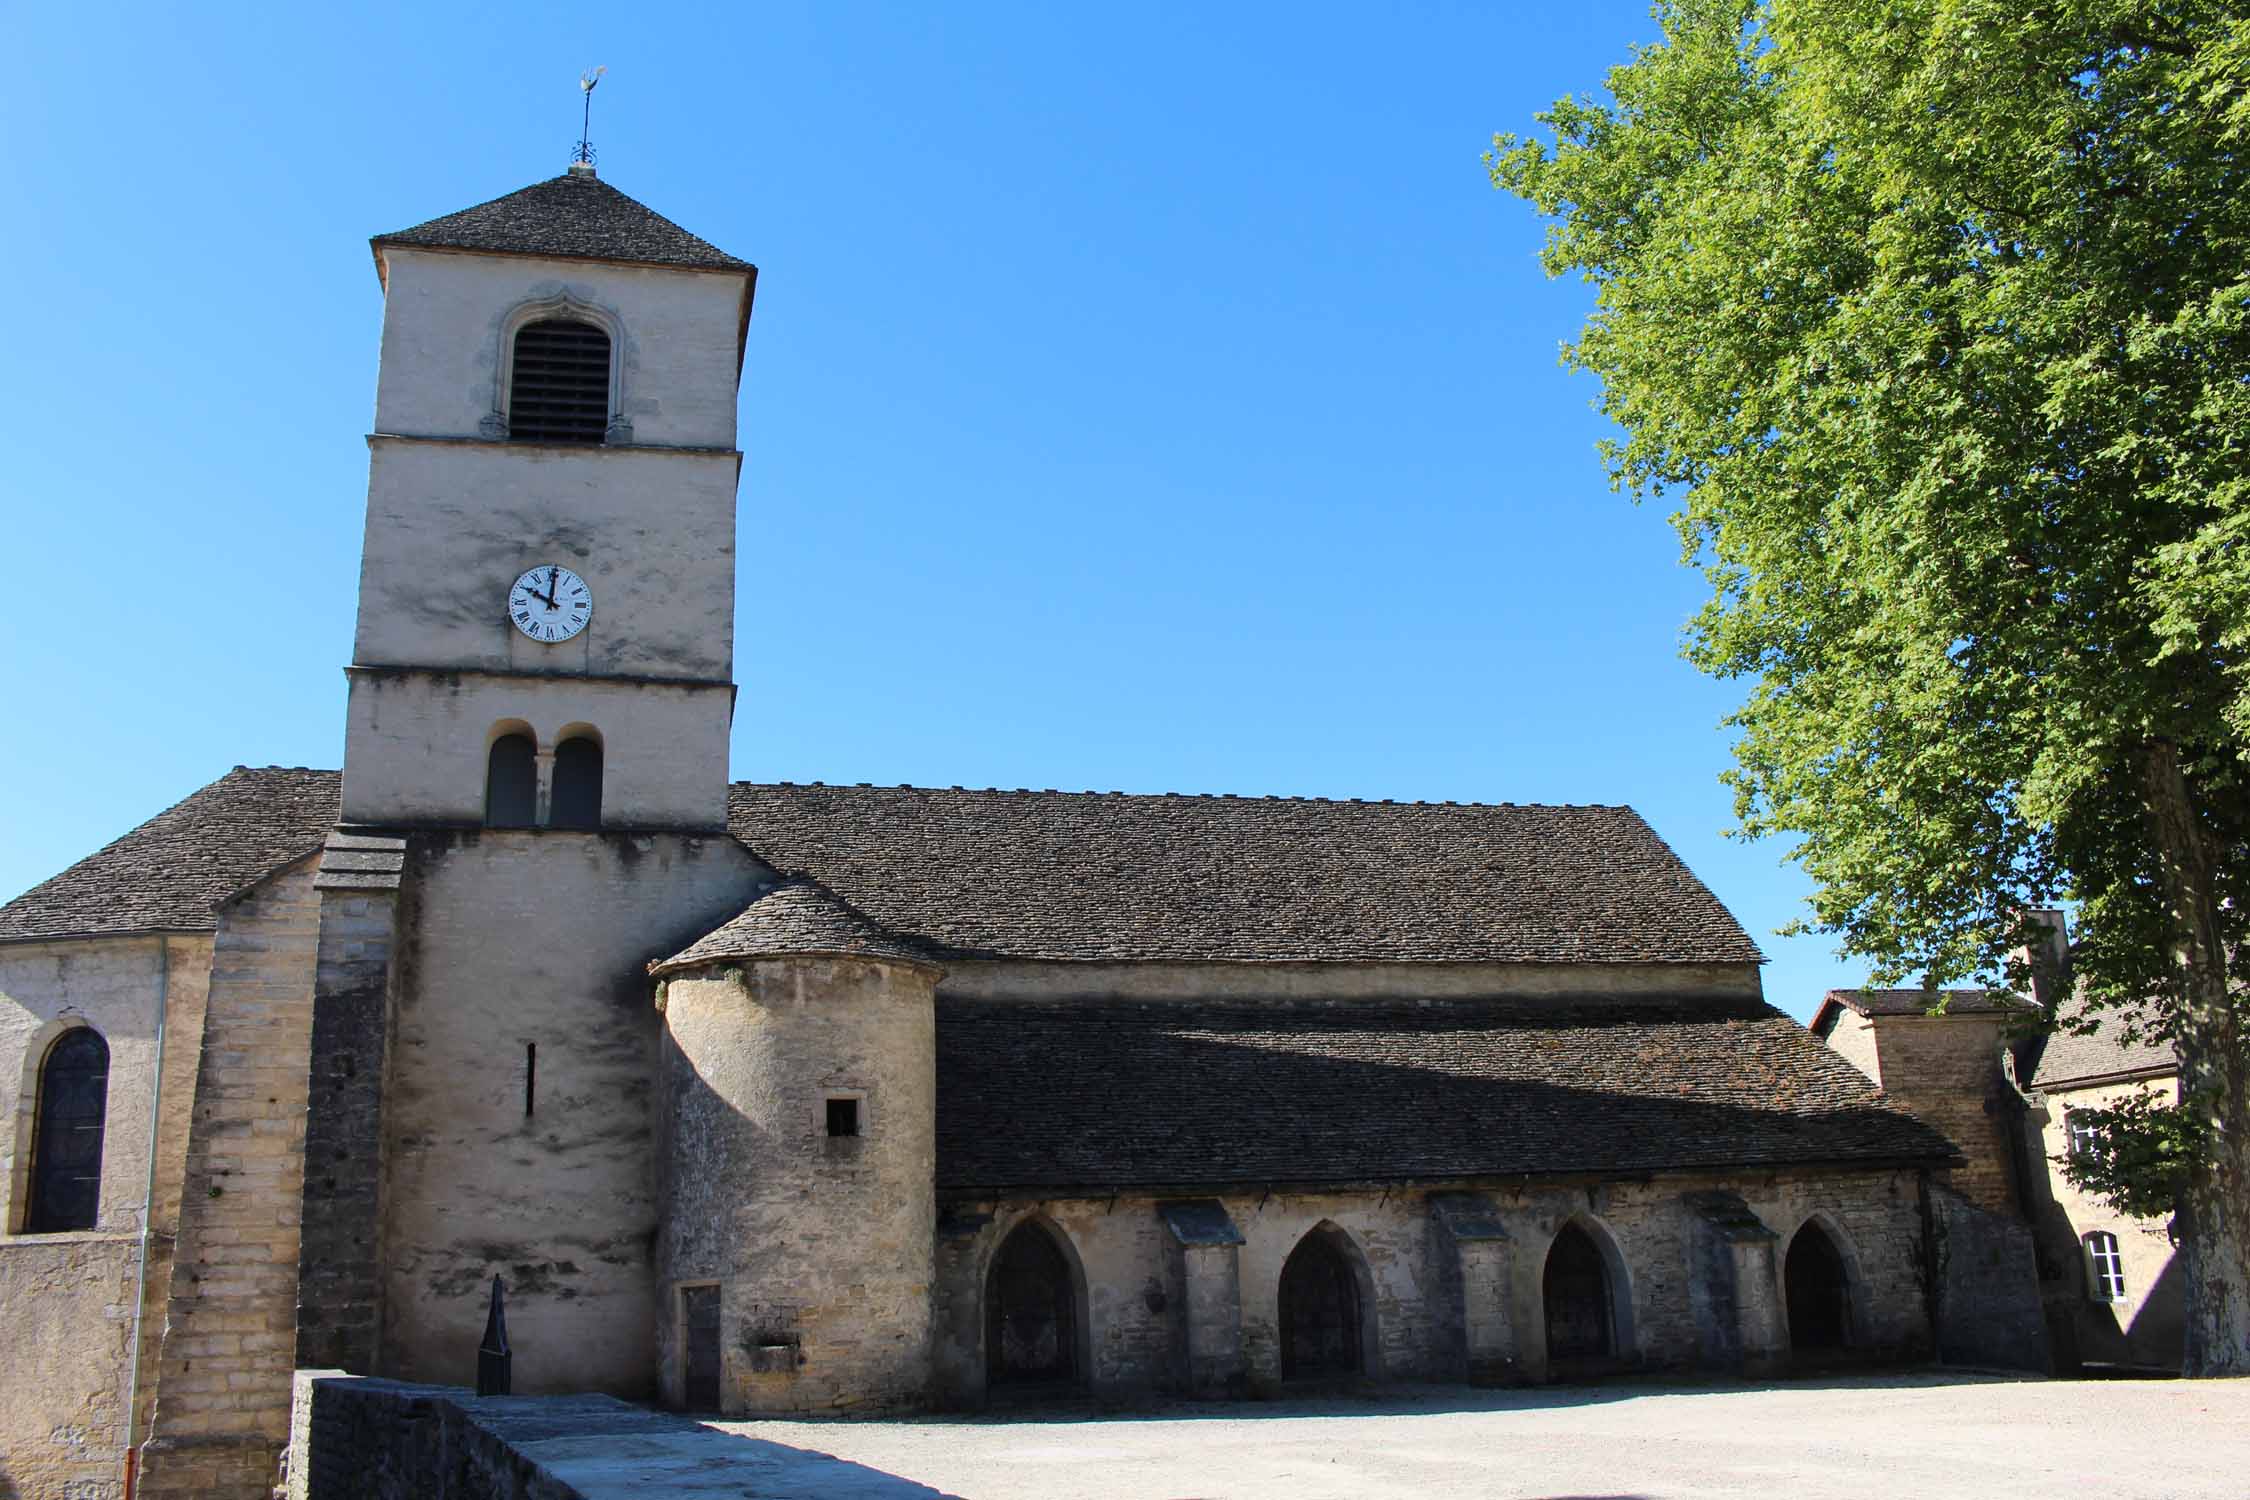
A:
(550, 603)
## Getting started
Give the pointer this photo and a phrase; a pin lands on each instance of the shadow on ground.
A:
(1372, 1398)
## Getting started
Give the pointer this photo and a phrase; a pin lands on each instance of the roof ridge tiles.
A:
(1305, 798)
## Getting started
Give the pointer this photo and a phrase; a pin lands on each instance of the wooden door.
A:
(699, 1331)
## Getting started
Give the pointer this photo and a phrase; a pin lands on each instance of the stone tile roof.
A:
(1918, 1002)
(1098, 1095)
(794, 917)
(1103, 876)
(171, 873)
(2066, 1059)
(1055, 876)
(578, 217)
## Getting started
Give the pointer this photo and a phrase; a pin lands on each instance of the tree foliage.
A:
(1933, 319)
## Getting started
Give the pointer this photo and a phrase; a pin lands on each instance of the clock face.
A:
(550, 603)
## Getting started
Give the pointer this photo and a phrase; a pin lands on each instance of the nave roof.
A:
(1074, 876)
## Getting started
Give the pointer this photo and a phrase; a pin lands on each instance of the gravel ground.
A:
(1909, 1436)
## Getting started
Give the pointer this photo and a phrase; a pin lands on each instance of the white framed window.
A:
(2105, 1268)
(2085, 1135)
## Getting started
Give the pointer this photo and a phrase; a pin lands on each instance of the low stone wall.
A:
(353, 1438)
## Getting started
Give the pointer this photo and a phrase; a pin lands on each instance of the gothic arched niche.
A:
(1030, 1311)
(1576, 1294)
(1320, 1310)
(71, 1114)
(1819, 1292)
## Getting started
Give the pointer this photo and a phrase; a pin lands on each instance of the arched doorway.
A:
(1319, 1311)
(1576, 1293)
(1030, 1312)
(1819, 1292)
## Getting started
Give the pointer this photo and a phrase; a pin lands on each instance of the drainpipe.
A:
(148, 1212)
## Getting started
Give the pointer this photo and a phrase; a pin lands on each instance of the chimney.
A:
(2047, 956)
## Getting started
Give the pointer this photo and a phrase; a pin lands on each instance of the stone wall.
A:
(1987, 1278)
(2149, 1326)
(63, 1370)
(69, 1298)
(522, 939)
(230, 1323)
(355, 995)
(444, 314)
(353, 1439)
(1680, 1269)
(1946, 1070)
(820, 1245)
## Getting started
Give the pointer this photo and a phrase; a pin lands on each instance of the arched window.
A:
(576, 801)
(2105, 1268)
(558, 383)
(1819, 1293)
(1576, 1296)
(1319, 1310)
(66, 1149)
(1030, 1312)
(511, 783)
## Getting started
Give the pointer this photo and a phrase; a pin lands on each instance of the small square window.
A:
(2085, 1135)
(843, 1117)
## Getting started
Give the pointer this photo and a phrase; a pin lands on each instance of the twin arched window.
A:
(558, 383)
(66, 1141)
(511, 783)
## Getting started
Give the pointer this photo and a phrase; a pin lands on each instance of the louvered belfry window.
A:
(559, 389)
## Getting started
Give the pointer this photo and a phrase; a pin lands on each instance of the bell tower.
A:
(535, 786)
(546, 594)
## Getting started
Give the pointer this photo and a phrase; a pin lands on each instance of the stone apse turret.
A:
(800, 1069)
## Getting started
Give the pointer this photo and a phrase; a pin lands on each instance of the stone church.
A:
(804, 1098)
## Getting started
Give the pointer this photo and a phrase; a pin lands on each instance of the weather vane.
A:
(585, 151)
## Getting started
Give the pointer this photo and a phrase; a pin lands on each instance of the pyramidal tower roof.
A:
(576, 216)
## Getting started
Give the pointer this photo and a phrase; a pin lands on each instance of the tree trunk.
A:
(2213, 1215)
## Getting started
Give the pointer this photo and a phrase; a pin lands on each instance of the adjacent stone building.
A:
(773, 1098)
(1992, 1072)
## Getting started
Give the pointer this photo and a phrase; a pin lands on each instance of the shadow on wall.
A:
(2159, 1332)
(1473, 1090)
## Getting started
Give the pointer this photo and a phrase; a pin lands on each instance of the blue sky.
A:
(1151, 399)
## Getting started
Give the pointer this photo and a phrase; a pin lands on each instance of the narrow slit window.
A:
(530, 1076)
(558, 387)
(843, 1117)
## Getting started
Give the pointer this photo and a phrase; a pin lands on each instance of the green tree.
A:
(1930, 317)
